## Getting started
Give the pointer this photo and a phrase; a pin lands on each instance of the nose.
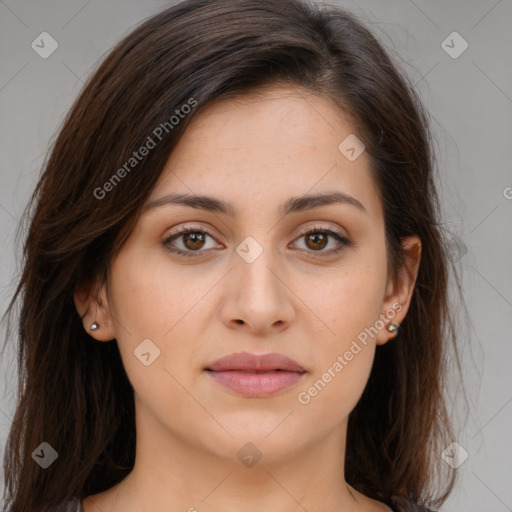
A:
(258, 299)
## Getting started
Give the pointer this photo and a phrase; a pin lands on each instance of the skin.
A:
(256, 152)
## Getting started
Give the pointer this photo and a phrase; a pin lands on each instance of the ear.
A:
(398, 293)
(92, 306)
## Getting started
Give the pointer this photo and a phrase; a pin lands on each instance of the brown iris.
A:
(317, 238)
(195, 239)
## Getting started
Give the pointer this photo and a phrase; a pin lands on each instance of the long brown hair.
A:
(74, 393)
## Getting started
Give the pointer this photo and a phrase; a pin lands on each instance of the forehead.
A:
(269, 145)
(270, 116)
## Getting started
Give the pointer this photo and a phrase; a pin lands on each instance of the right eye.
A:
(191, 241)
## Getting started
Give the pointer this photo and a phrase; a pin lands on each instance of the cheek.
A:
(350, 306)
(351, 300)
(152, 301)
(152, 296)
(333, 392)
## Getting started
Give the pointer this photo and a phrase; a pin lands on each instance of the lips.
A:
(244, 361)
(256, 376)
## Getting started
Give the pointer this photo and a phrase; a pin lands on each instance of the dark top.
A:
(396, 505)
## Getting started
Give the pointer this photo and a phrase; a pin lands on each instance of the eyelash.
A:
(315, 229)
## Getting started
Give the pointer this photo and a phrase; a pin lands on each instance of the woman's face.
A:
(248, 279)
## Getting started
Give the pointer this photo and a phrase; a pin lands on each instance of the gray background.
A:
(470, 102)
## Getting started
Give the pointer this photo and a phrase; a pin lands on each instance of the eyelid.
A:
(182, 229)
(333, 232)
(317, 227)
(305, 230)
(185, 228)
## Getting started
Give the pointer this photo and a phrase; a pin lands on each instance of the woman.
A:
(234, 293)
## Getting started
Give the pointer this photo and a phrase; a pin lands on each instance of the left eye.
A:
(193, 240)
(318, 239)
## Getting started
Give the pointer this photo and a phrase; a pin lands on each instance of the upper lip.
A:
(246, 361)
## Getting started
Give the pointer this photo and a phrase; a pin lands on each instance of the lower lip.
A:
(256, 385)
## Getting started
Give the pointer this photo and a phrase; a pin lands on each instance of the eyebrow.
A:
(292, 205)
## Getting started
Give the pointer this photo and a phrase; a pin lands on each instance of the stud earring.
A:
(94, 326)
(392, 327)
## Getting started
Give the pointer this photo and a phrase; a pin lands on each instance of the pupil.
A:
(316, 237)
(195, 239)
